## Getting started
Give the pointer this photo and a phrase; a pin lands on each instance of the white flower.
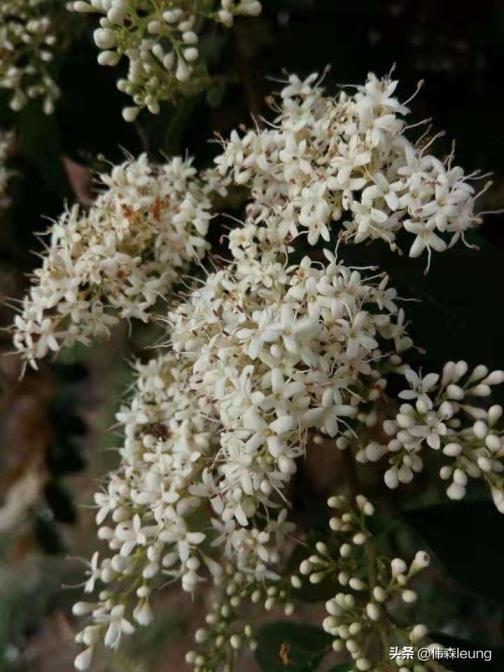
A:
(117, 626)
(292, 331)
(28, 39)
(115, 261)
(420, 387)
(159, 43)
(445, 419)
(267, 353)
(426, 238)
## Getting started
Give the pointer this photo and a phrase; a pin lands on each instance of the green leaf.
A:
(343, 667)
(463, 537)
(178, 121)
(291, 647)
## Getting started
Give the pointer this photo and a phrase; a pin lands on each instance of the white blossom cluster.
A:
(146, 513)
(218, 424)
(361, 615)
(265, 351)
(278, 352)
(27, 42)
(226, 631)
(444, 414)
(156, 525)
(160, 42)
(325, 160)
(115, 260)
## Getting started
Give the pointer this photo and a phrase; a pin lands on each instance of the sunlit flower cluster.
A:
(444, 413)
(117, 259)
(160, 42)
(27, 42)
(361, 616)
(348, 159)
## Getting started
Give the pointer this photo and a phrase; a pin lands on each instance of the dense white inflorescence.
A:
(264, 352)
(27, 42)
(361, 616)
(445, 415)
(278, 356)
(146, 512)
(160, 42)
(257, 363)
(347, 159)
(115, 260)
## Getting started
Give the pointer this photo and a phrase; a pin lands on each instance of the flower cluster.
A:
(327, 159)
(278, 353)
(154, 524)
(117, 259)
(443, 414)
(27, 39)
(219, 423)
(160, 42)
(265, 351)
(146, 513)
(360, 615)
(226, 631)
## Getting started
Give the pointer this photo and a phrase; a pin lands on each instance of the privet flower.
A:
(27, 42)
(361, 615)
(444, 414)
(264, 352)
(146, 512)
(218, 424)
(228, 628)
(160, 42)
(115, 260)
(348, 159)
(277, 355)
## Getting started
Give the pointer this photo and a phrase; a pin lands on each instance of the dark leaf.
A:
(65, 423)
(65, 457)
(215, 94)
(47, 536)
(463, 536)
(60, 502)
